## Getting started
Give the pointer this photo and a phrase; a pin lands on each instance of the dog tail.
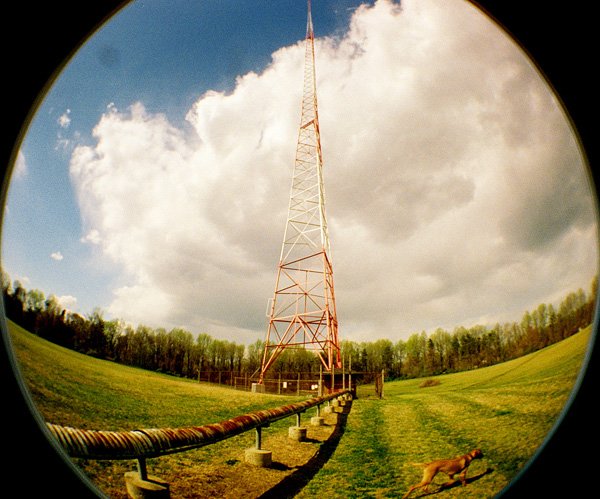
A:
(418, 465)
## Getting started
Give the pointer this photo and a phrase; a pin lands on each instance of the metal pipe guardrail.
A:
(147, 443)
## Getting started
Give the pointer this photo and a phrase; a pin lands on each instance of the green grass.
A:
(506, 410)
(72, 389)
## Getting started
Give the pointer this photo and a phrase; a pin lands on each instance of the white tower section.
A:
(302, 312)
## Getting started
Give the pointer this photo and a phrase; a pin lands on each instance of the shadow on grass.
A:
(457, 483)
(295, 482)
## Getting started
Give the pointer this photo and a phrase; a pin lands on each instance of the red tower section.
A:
(302, 312)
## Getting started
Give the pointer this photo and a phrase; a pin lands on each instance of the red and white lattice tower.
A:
(302, 312)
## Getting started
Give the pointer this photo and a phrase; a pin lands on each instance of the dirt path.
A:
(294, 464)
(220, 470)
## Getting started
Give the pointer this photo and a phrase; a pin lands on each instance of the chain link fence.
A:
(303, 383)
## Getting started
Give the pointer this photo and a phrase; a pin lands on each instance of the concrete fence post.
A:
(317, 420)
(155, 442)
(298, 432)
(258, 456)
(141, 486)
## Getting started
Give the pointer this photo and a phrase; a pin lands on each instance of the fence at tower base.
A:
(308, 383)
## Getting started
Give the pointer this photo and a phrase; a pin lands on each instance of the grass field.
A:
(72, 389)
(506, 410)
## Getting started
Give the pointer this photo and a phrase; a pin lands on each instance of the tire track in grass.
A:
(414, 436)
(509, 426)
(410, 439)
(507, 416)
(526, 408)
(383, 437)
(506, 441)
(447, 439)
(368, 451)
(359, 467)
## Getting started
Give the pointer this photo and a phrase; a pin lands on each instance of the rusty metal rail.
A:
(147, 443)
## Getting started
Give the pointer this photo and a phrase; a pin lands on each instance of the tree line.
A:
(465, 348)
(181, 353)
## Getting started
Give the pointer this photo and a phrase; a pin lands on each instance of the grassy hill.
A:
(506, 410)
(72, 389)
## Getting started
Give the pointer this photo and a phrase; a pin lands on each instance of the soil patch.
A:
(220, 470)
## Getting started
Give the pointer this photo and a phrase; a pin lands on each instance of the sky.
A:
(153, 182)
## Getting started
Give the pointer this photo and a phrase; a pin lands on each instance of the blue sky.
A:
(163, 53)
(153, 180)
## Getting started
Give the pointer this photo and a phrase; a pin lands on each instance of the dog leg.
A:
(409, 491)
(423, 484)
(447, 484)
(418, 485)
(463, 478)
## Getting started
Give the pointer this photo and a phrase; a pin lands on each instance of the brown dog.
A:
(449, 466)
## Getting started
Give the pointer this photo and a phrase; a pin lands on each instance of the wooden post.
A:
(350, 374)
(343, 375)
(298, 388)
(279, 385)
(320, 380)
(382, 380)
(332, 379)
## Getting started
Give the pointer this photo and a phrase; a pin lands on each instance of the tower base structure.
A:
(258, 387)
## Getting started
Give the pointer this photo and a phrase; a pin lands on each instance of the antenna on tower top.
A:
(309, 25)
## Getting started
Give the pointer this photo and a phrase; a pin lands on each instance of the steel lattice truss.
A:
(302, 312)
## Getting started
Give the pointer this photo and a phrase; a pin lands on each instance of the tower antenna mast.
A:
(302, 312)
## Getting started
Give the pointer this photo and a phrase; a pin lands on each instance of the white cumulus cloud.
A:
(93, 237)
(57, 255)
(455, 187)
(68, 302)
(64, 119)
